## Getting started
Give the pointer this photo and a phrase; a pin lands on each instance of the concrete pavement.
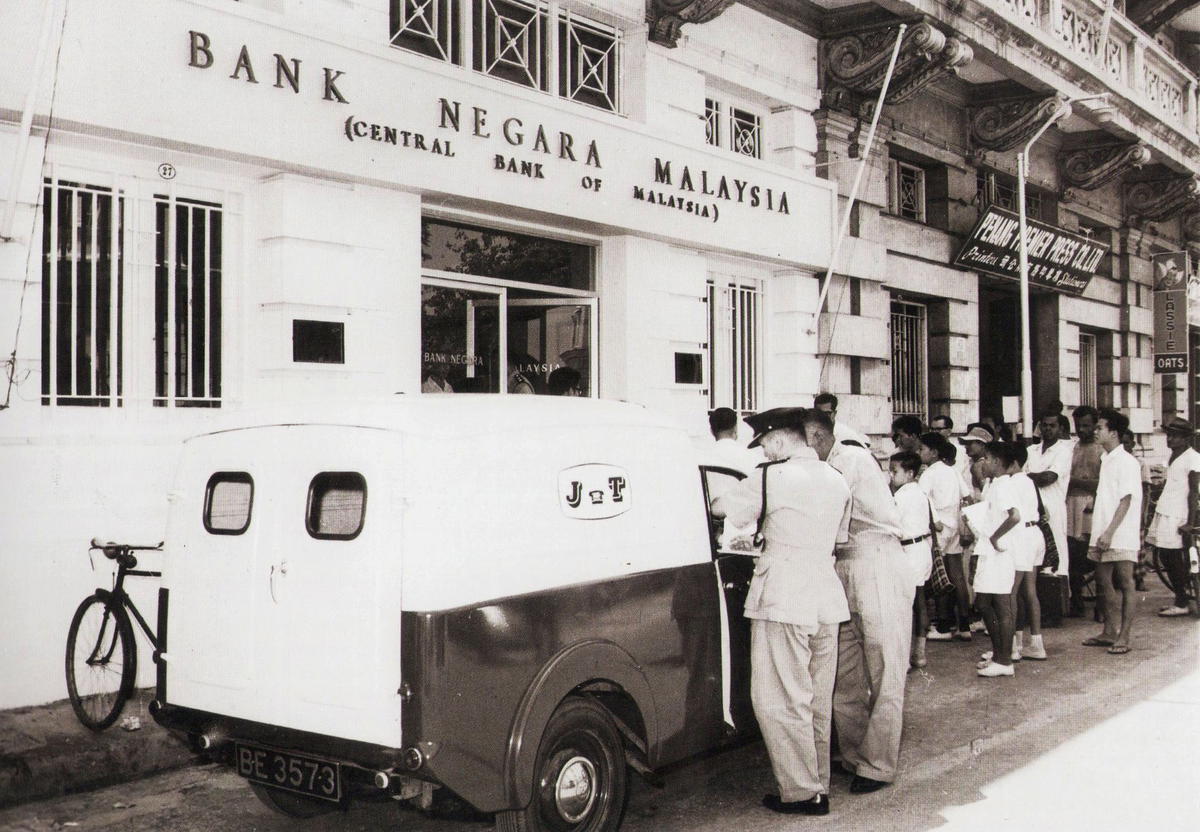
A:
(1045, 738)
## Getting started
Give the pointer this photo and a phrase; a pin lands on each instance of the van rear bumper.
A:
(224, 731)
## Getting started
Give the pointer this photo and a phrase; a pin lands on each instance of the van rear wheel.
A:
(292, 805)
(580, 782)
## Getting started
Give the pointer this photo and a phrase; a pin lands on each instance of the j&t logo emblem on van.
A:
(594, 491)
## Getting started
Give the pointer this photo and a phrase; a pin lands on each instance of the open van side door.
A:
(734, 568)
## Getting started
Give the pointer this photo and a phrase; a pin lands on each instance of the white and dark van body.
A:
(476, 592)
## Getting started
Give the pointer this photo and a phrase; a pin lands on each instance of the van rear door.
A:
(296, 621)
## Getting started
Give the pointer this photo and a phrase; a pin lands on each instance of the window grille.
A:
(910, 362)
(745, 133)
(908, 191)
(1001, 190)
(187, 303)
(1089, 393)
(589, 58)
(428, 27)
(734, 309)
(510, 41)
(82, 294)
(712, 122)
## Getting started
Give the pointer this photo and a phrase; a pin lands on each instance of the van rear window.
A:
(227, 502)
(337, 502)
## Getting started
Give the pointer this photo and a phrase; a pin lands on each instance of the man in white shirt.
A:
(728, 452)
(1049, 466)
(841, 431)
(795, 603)
(1116, 533)
(873, 651)
(945, 426)
(1176, 513)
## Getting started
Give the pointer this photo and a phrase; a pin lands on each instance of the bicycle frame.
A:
(127, 565)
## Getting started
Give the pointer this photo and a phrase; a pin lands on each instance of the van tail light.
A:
(383, 779)
(412, 758)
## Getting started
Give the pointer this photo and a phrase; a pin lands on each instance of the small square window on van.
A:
(337, 502)
(227, 502)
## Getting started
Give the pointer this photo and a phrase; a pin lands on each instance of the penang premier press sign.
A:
(1170, 311)
(1058, 259)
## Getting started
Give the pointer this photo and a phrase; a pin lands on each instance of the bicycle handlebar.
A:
(113, 550)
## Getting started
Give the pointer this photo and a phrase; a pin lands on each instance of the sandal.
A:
(1119, 649)
(1097, 641)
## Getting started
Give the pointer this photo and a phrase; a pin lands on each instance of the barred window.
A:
(428, 27)
(910, 360)
(1000, 189)
(907, 190)
(734, 308)
(1089, 389)
(712, 122)
(734, 128)
(82, 294)
(187, 303)
(519, 41)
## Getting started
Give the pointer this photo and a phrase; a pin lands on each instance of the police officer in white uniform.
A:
(868, 698)
(796, 602)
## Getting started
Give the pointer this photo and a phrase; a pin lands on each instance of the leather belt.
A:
(910, 540)
(1029, 523)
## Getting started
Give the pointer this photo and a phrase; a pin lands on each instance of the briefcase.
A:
(1054, 596)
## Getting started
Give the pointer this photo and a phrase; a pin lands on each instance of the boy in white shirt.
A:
(1176, 511)
(999, 528)
(1116, 533)
(943, 485)
(916, 517)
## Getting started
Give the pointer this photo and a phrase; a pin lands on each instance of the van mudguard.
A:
(578, 664)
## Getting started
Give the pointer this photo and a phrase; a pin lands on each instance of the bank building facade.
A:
(212, 207)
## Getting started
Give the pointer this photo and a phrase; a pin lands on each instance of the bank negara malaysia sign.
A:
(1058, 259)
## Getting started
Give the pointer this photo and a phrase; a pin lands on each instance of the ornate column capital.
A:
(856, 63)
(1090, 167)
(1005, 125)
(1156, 200)
(666, 17)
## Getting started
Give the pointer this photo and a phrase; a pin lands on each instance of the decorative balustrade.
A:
(1135, 65)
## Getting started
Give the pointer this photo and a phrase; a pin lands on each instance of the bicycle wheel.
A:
(101, 661)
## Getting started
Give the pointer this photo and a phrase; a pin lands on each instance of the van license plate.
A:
(293, 772)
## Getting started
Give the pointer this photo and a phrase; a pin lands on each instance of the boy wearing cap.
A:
(795, 603)
(1176, 511)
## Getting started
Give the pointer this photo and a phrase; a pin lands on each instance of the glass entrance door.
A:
(461, 337)
(547, 333)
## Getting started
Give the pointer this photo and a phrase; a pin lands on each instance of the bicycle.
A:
(101, 662)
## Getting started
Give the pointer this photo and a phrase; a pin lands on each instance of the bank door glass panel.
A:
(734, 569)
(545, 334)
(460, 339)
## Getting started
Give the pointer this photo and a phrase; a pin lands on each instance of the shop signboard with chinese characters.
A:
(1058, 259)
(1170, 311)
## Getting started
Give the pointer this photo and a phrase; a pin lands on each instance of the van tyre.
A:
(580, 782)
(292, 805)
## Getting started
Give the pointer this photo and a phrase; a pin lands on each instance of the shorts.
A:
(1164, 532)
(1113, 555)
(1079, 515)
(919, 558)
(995, 574)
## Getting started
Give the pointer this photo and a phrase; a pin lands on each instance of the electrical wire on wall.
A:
(10, 363)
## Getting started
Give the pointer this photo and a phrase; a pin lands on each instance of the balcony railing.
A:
(1131, 61)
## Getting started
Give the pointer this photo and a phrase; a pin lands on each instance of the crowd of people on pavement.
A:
(863, 563)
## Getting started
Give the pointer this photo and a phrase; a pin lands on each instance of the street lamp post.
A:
(1062, 111)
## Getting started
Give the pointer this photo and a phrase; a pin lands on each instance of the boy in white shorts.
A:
(1026, 559)
(916, 517)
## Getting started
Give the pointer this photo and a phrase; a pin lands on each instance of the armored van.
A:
(515, 598)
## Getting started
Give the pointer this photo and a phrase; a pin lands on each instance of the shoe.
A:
(987, 656)
(993, 669)
(1172, 611)
(815, 805)
(938, 635)
(962, 635)
(1097, 641)
(978, 627)
(865, 785)
(1035, 649)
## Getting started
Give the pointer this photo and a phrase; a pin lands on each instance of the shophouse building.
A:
(909, 331)
(214, 206)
